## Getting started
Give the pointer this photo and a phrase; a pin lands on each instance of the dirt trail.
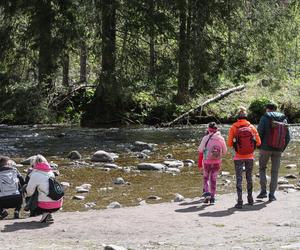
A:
(185, 225)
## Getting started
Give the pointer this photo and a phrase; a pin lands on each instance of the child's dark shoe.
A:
(239, 205)
(212, 201)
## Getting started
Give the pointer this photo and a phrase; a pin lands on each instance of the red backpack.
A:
(245, 142)
(278, 131)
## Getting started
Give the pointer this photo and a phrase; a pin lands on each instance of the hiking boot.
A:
(16, 215)
(44, 217)
(49, 218)
(206, 200)
(262, 194)
(3, 215)
(239, 205)
(272, 197)
(212, 200)
(250, 200)
(206, 195)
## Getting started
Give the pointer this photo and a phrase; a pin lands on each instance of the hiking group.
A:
(44, 195)
(271, 138)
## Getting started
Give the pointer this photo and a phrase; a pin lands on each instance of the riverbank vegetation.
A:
(145, 62)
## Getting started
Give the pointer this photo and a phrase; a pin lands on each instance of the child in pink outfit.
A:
(213, 147)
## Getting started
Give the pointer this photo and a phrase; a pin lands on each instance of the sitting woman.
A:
(39, 180)
(11, 182)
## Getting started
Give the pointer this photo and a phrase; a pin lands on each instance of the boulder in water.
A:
(151, 166)
(103, 156)
(74, 155)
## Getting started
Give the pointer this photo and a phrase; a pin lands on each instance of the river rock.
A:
(65, 184)
(111, 166)
(189, 161)
(78, 197)
(86, 186)
(119, 181)
(225, 173)
(289, 166)
(282, 181)
(28, 160)
(141, 155)
(286, 186)
(290, 190)
(114, 204)
(103, 156)
(146, 151)
(74, 155)
(90, 205)
(140, 146)
(114, 247)
(174, 164)
(169, 156)
(173, 170)
(81, 190)
(290, 176)
(143, 203)
(178, 198)
(150, 166)
(126, 170)
(153, 197)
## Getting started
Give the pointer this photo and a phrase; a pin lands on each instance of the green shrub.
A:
(257, 108)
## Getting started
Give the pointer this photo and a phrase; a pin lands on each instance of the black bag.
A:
(31, 202)
(56, 190)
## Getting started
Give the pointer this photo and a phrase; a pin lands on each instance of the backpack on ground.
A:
(9, 183)
(56, 190)
(212, 149)
(278, 131)
(245, 143)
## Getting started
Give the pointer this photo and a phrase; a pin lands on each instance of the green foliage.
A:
(257, 108)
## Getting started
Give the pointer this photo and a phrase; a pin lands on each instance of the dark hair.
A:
(271, 106)
(3, 161)
(212, 125)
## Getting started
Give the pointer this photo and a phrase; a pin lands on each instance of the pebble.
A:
(74, 155)
(286, 186)
(119, 181)
(174, 164)
(282, 180)
(114, 204)
(86, 186)
(78, 197)
(81, 190)
(225, 173)
(90, 205)
(291, 166)
(111, 166)
(291, 176)
(65, 184)
(178, 198)
(153, 197)
(114, 247)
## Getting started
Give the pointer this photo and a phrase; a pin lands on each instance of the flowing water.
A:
(55, 142)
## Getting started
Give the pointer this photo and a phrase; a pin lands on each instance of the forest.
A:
(103, 62)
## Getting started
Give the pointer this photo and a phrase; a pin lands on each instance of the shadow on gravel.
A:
(191, 209)
(28, 225)
(232, 210)
(191, 203)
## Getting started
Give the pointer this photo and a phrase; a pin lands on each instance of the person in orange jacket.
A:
(243, 139)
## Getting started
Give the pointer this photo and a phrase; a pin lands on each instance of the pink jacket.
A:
(217, 139)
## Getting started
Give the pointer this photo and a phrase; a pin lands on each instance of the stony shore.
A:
(185, 225)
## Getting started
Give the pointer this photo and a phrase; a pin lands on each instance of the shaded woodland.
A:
(137, 61)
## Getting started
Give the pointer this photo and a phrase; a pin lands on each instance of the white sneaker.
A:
(44, 217)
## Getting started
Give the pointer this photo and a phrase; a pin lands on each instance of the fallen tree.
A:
(202, 105)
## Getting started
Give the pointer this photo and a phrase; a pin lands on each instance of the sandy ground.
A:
(185, 225)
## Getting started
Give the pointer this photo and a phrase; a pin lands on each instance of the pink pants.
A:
(210, 173)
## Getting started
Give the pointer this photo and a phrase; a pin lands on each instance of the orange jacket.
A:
(232, 134)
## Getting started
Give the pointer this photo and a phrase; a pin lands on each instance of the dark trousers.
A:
(14, 201)
(239, 164)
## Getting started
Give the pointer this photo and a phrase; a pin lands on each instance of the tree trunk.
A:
(183, 55)
(83, 60)
(43, 19)
(65, 65)
(151, 41)
(107, 104)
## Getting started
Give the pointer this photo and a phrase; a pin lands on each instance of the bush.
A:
(257, 109)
